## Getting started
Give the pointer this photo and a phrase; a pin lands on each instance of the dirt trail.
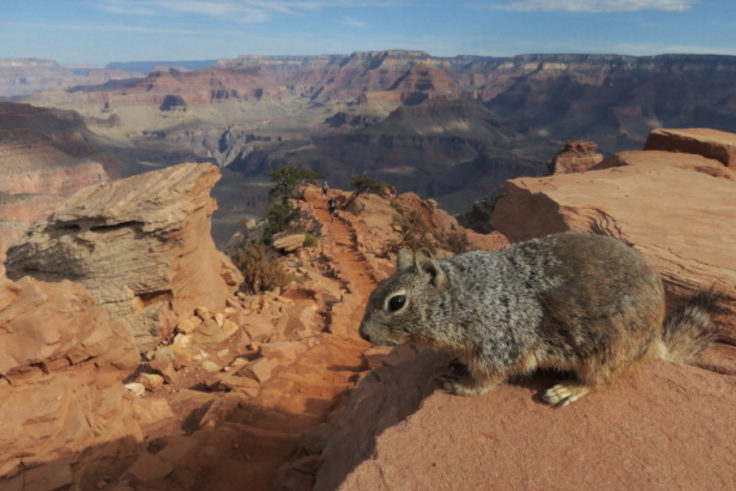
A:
(303, 394)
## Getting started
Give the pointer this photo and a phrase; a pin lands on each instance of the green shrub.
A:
(287, 180)
(279, 215)
(309, 239)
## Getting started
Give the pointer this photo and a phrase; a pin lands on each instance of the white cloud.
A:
(596, 6)
(353, 22)
(238, 10)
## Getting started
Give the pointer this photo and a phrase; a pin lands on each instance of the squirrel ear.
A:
(425, 262)
(405, 260)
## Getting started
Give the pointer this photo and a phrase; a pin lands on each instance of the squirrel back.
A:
(583, 303)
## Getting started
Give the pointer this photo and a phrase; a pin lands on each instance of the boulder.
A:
(668, 206)
(141, 245)
(62, 362)
(288, 242)
(713, 144)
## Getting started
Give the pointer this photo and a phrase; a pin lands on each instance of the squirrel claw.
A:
(564, 393)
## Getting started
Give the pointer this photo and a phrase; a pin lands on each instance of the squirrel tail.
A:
(689, 329)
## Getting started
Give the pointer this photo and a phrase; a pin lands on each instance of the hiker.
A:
(325, 189)
(392, 191)
(333, 208)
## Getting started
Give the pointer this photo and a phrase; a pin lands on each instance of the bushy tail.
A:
(689, 330)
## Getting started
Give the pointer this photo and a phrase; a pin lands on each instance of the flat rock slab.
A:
(667, 427)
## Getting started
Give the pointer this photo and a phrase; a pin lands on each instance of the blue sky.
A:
(101, 31)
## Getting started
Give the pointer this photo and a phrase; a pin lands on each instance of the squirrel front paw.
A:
(564, 393)
(465, 385)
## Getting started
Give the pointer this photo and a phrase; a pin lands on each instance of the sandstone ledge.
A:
(713, 144)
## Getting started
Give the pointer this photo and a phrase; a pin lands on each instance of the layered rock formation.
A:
(61, 366)
(712, 144)
(141, 245)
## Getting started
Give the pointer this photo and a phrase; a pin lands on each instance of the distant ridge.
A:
(149, 66)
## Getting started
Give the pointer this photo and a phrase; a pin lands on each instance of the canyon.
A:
(134, 356)
(450, 129)
(131, 360)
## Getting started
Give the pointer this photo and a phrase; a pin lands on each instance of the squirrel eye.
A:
(396, 302)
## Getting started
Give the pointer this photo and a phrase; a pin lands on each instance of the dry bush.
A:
(260, 268)
(415, 233)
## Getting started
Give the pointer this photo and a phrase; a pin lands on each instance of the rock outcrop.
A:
(712, 144)
(575, 156)
(61, 365)
(141, 245)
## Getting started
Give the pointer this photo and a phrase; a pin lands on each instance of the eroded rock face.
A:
(668, 206)
(61, 363)
(141, 245)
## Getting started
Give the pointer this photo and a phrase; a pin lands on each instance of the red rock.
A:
(153, 413)
(141, 245)
(649, 431)
(284, 351)
(576, 156)
(220, 411)
(149, 467)
(673, 215)
(50, 477)
(712, 144)
(177, 448)
(653, 158)
(262, 368)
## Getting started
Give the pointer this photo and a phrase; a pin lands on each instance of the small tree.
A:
(365, 184)
(287, 180)
(279, 215)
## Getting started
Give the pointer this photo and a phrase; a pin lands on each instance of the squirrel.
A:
(582, 303)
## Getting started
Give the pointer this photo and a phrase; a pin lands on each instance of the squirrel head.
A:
(402, 309)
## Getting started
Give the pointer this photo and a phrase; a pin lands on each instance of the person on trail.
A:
(333, 208)
(392, 191)
(325, 189)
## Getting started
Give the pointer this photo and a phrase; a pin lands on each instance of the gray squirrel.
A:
(582, 303)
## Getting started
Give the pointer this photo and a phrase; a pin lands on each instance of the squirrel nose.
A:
(364, 335)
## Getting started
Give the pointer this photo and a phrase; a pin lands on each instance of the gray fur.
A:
(585, 303)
